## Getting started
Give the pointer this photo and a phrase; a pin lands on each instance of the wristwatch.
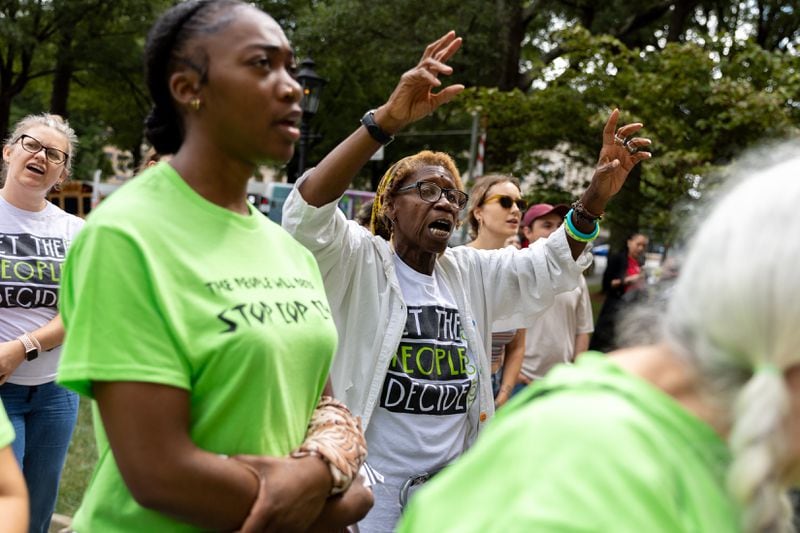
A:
(375, 131)
(31, 348)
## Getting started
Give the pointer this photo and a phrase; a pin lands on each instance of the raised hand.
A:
(619, 154)
(413, 98)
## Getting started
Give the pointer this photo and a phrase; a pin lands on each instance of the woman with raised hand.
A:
(34, 237)
(200, 327)
(495, 209)
(697, 429)
(414, 316)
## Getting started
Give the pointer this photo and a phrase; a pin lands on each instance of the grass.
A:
(81, 458)
(596, 297)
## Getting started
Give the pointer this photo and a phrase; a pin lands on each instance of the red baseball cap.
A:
(539, 210)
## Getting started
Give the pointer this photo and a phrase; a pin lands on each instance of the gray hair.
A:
(55, 122)
(733, 314)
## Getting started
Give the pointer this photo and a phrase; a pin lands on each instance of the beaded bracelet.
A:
(575, 233)
(582, 212)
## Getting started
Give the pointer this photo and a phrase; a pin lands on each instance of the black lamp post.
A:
(312, 84)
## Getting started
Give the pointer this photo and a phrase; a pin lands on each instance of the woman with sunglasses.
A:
(34, 237)
(414, 316)
(496, 207)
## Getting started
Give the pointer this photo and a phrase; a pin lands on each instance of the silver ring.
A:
(619, 140)
(630, 147)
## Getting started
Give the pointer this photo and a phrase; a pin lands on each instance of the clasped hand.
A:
(293, 495)
(12, 354)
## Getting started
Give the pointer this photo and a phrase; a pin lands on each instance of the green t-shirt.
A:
(590, 448)
(6, 429)
(168, 288)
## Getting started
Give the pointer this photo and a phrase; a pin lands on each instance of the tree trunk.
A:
(625, 206)
(65, 65)
(510, 15)
(680, 14)
(5, 113)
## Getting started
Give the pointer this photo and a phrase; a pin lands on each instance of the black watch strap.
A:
(375, 131)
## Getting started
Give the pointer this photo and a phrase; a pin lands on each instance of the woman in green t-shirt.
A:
(698, 430)
(199, 326)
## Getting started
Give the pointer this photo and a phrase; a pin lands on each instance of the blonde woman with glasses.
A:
(34, 237)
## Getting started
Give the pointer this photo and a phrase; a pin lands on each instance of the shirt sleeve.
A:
(585, 320)
(520, 284)
(341, 247)
(111, 304)
(6, 429)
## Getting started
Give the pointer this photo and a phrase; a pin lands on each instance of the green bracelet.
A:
(575, 233)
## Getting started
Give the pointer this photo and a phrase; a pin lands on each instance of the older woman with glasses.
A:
(34, 237)
(496, 207)
(414, 317)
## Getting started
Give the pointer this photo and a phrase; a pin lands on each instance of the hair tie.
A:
(767, 368)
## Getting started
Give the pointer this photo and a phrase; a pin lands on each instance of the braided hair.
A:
(733, 316)
(380, 223)
(166, 49)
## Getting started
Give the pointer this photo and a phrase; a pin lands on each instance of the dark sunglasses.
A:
(506, 201)
(430, 192)
(34, 146)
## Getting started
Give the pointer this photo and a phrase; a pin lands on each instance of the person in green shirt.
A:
(201, 328)
(13, 492)
(696, 431)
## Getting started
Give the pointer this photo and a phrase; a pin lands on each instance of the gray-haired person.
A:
(698, 431)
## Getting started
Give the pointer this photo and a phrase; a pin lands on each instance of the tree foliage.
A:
(708, 78)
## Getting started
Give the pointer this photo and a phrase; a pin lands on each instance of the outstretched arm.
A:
(412, 99)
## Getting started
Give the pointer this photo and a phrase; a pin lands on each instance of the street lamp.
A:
(312, 84)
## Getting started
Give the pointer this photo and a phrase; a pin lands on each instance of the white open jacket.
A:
(494, 290)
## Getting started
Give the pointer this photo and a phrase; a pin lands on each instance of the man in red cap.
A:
(561, 332)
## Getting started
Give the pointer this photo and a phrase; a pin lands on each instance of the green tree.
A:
(77, 58)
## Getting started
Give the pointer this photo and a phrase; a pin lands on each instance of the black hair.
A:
(165, 49)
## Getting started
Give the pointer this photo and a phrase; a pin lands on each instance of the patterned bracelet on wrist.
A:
(335, 436)
(575, 233)
(581, 212)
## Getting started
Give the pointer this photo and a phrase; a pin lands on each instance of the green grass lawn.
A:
(597, 298)
(81, 458)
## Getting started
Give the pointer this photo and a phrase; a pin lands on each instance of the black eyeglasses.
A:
(34, 146)
(430, 192)
(506, 201)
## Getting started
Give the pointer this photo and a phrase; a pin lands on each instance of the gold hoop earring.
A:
(195, 104)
